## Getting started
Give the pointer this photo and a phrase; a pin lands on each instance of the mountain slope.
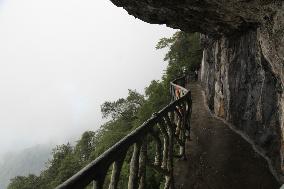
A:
(29, 161)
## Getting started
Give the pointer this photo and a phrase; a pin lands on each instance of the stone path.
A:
(218, 158)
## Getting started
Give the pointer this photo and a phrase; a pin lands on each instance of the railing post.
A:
(100, 182)
(183, 130)
(188, 115)
(117, 165)
(158, 148)
(134, 167)
(166, 143)
(142, 165)
(94, 184)
(169, 184)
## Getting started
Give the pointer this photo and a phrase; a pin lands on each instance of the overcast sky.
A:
(61, 59)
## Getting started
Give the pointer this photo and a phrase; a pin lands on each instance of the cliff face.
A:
(242, 89)
(242, 69)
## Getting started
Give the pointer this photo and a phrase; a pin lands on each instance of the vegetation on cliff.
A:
(125, 114)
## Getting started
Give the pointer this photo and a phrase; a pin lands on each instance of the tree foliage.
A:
(184, 53)
(125, 108)
(29, 182)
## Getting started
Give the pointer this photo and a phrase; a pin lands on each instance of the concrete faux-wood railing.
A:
(168, 128)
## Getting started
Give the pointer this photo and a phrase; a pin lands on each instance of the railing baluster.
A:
(183, 130)
(178, 119)
(134, 167)
(166, 143)
(94, 184)
(158, 148)
(181, 143)
(188, 115)
(169, 184)
(100, 181)
(117, 165)
(142, 165)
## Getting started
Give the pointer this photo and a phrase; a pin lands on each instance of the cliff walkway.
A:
(213, 157)
(218, 158)
(166, 131)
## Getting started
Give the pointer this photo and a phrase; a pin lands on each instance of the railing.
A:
(178, 87)
(168, 128)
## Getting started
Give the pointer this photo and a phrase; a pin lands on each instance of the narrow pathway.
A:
(218, 158)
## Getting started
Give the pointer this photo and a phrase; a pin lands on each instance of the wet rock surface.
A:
(218, 158)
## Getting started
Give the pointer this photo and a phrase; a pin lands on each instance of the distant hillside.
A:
(31, 160)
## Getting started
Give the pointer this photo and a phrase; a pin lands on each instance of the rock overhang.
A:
(211, 17)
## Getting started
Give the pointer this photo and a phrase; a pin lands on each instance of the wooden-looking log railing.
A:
(168, 128)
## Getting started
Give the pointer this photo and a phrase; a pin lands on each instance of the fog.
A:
(61, 59)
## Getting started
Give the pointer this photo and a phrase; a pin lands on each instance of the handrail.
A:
(171, 124)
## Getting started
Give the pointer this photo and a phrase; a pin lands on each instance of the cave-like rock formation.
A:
(242, 68)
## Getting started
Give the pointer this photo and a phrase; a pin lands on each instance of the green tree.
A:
(62, 166)
(157, 96)
(184, 53)
(85, 146)
(29, 182)
(125, 108)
